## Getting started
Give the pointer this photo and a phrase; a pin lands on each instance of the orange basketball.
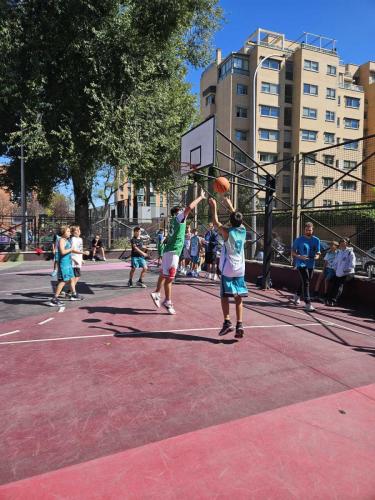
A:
(221, 185)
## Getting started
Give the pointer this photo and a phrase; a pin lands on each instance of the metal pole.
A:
(252, 174)
(23, 203)
(196, 208)
(267, 253)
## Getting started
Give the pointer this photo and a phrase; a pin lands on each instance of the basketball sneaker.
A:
(169, 307)
(296, 300)
(309, 308)
(226, 328)
(239, 331)
(141, 284)
(156, 298)
(55, 302)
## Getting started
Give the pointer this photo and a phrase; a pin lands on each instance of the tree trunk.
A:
(81, 205)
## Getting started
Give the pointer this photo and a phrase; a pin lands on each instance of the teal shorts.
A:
(232, 287)
(138, 262)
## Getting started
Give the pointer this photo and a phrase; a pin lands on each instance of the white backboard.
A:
(198, 145)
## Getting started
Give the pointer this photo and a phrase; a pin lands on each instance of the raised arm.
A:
(194, 203)
(215, 220)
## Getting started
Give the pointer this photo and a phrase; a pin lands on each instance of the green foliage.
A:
(96, 82)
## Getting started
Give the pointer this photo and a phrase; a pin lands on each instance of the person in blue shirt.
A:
(305, 251)
(211, 248)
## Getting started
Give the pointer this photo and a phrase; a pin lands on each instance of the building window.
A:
(330, 93)
(240, 65)
(240, 135)
(288, 94)
(327, 181)
(351, 145)
(271, 111)
(311, 65)
(311, 113)
(329, 138)
(270, 88)
(286, 184)
(241, 89)
(330, 116)
(338, 101)
(372, 77)
(310, 89)
(310, 159)
(210, 99)
(331, 70)
(308, 203)
(349, 185)
(288, 117)
(287, 162)
(287, 139)
(349, 165)
(327, 203)
(268, 157)
(261, 202)
(351, 123)
(241, 112)
(262, 180)
(309, 181)
(268, 135)
(161, 201)
(329, 160)
(271, 64)
(352, 102)
(240, 157)
(289, 70)
(309, 135)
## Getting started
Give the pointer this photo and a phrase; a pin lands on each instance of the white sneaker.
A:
(169, 307)
(156, 298)
(215, 277)
(104, 258)
(309, 308)
(296, 300)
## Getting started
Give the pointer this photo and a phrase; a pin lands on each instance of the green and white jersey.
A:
(176, 234)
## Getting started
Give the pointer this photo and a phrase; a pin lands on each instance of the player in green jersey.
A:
(174, 243)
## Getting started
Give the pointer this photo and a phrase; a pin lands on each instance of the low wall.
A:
(359, 292)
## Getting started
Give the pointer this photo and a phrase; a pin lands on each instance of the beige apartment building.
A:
(305, 99)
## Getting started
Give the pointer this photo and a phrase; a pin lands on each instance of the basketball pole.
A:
(267, 254)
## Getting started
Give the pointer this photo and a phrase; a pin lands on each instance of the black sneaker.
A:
(130, 284)
(55, 302)
(75, 296)
(226, 328)
(141, 284)
(239, 331)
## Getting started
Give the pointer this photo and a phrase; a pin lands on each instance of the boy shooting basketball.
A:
(172, 250)
(232, 266)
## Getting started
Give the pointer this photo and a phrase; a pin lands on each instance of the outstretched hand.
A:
(212, 202)
(203, 193)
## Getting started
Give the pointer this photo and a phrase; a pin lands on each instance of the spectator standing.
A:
(344, 266)
(211, 248)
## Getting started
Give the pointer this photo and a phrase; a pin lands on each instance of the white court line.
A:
(46, 321)
(9, 292)
(158, 331)
(353, 330)
(9, 333)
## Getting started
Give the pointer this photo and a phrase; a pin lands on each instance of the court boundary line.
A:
(134, 334)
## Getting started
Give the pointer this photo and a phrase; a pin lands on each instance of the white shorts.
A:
(169, 264)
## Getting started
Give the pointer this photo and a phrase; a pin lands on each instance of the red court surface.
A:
(166, 409)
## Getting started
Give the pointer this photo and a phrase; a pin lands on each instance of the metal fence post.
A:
(267, 254)
(296, 193)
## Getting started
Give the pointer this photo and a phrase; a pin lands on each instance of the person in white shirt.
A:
(344, 266)
(77, 258)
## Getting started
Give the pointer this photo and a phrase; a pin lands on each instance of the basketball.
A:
(221, 185)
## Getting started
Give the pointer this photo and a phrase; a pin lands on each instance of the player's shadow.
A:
(118, 310)
(139, 334)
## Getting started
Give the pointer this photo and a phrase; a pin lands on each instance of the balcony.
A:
(351, 86)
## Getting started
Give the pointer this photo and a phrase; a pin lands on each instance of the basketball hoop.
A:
(187, 168)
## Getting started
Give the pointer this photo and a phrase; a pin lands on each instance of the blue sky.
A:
(351, 23)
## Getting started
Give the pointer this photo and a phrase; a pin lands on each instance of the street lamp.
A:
(252, 172)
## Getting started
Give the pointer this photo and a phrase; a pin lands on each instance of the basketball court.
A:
(112, 398)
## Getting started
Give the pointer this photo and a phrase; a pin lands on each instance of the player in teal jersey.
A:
(174, 243)
(232, 266)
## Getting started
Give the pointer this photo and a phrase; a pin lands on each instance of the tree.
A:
(59, 206)
(72, 70)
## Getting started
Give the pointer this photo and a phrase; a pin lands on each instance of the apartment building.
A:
(305, 99)
(142, 204)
